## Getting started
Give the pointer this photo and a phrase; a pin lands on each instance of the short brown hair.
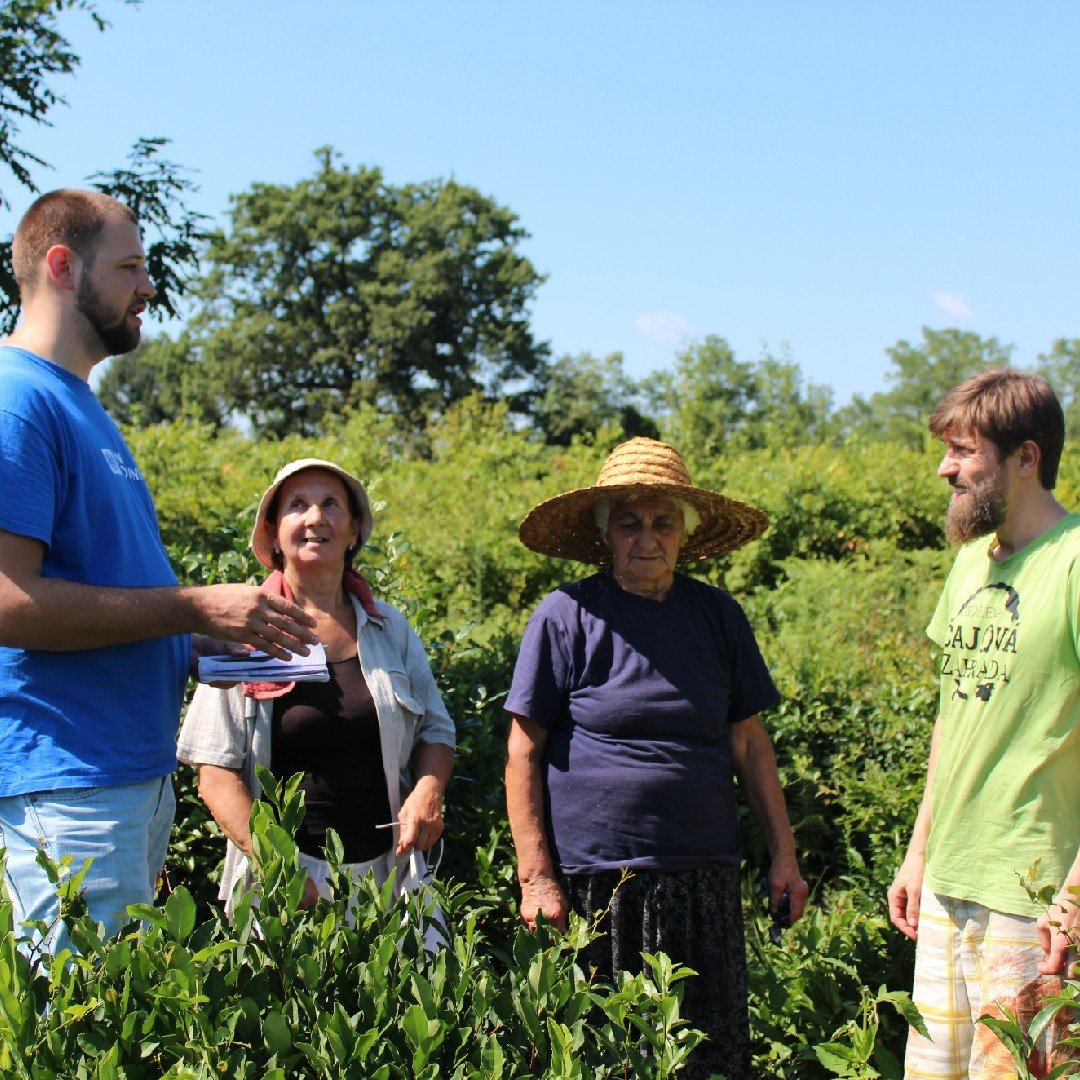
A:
(67, 216)
(1007, 407)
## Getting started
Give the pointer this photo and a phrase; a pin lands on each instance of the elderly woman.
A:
(355, 739)
(634, 705)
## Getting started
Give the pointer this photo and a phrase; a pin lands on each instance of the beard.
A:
(979, 513)
(115, 334)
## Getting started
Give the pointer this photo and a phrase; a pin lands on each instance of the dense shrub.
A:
(286, 992)
(839, 591)
(817, 993)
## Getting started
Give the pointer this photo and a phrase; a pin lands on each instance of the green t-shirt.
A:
(1007, 786)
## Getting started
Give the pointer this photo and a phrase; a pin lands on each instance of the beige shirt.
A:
(222, 727)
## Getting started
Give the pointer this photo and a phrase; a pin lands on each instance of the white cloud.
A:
(956, 307)
(664, 326)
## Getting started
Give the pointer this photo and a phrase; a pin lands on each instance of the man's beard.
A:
(117, 336)
(979, 512)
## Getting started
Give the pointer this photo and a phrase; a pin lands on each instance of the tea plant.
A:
(344, 988)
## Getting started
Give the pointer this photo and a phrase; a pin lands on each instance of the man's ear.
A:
(1030, 456)
(61, 264)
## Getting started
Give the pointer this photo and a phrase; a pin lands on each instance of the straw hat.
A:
(261, 543)
(641, 468)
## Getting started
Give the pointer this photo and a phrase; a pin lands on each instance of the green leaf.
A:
(836, 1057)
(901, 1001)
(492, 1058)
(419, 1030)
(1066, 1068)
(1044, 1017)
(1010, 1033)
(887, 1063)
(148, 914)
(276, 1033)
(180, 914)
(77, 1012)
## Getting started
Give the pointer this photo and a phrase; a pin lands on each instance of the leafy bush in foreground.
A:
(838, 592)
(310, 993)
(812, 992)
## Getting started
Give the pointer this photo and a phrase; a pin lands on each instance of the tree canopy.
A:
(580, 395)
(345, 288)
(33, 53)
(710, 400)
(921, 375)
(1061, 367)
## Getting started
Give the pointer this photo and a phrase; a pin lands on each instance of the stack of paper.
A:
(261, 667)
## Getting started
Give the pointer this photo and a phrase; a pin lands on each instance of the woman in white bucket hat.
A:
(375, 744)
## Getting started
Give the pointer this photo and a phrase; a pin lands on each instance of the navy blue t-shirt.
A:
(638, 697)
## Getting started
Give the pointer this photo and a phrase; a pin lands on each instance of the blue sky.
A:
(829, 176)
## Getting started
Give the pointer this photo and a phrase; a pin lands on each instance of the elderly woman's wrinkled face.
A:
(315, 526)
(644, 537)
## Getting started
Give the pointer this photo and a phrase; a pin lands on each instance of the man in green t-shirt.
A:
(1003, 782)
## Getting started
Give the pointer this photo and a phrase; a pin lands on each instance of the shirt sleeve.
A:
(539, 690)
(435, 724)
(1072, 592)
(753, 689)
(938, 628)
(939, 621)
(213, 729)
(31, 498)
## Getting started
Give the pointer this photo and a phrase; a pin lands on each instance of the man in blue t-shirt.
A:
(94, 629)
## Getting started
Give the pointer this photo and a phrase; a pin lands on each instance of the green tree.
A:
(581, 394)
(1061, 367)
(710, 401)
(343, 288)
(701, 398)
(783, 409)
(922, 374)
(34, 52)
(158, 382)
(157, 190)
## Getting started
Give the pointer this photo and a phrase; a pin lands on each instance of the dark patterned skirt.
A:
(695, 916)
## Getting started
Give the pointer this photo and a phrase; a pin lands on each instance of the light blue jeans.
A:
(125, 830)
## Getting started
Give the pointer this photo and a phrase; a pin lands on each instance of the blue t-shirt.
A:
(638, 698)
(93, 717)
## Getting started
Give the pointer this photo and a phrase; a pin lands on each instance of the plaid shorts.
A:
(971, 962)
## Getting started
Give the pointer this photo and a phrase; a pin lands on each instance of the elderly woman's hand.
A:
(784, 876)
(544, 894)
(421, 817)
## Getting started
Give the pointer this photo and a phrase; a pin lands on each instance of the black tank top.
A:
(330, 733)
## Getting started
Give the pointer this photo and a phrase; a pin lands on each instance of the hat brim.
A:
(263, 546)
(566, 528)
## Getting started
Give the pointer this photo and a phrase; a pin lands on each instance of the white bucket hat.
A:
(261, 543)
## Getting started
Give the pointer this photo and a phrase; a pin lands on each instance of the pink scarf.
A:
(276, 585)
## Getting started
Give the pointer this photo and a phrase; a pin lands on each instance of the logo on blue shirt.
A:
(117, 464)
